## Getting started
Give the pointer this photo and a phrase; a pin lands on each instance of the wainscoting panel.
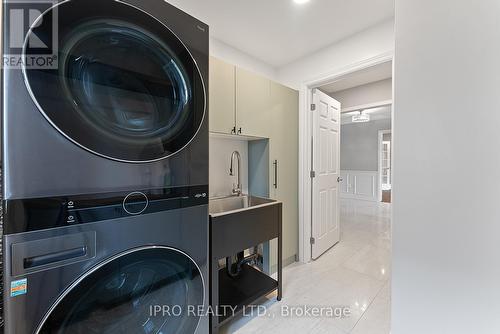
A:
(361, 185)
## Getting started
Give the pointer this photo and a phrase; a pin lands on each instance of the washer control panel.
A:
(23, 215)
(135, 203)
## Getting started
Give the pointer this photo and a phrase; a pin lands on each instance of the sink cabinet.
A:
(232, 232)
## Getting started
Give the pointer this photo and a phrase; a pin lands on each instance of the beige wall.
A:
(221, 183)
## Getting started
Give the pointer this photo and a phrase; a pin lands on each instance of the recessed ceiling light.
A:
(300, 2)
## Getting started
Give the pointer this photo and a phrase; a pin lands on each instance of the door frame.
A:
(381, 134)
(305, 144)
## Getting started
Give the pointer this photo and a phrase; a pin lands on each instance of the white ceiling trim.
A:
(367, 106)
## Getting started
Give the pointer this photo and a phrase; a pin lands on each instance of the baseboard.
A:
(286, 263)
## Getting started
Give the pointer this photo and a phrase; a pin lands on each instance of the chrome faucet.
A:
(236, 188)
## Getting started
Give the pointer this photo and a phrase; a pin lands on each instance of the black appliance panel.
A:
(24, 215)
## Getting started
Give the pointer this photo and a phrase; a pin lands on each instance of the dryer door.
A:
(148, 290)
(125, 87)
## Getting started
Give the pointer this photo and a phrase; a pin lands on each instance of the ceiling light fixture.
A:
(361, 118)
(300, 2)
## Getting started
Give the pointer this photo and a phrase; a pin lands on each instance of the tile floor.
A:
(354, 273)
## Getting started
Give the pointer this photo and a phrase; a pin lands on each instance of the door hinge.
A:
(313, 174)
(313, 107)
(313, 241)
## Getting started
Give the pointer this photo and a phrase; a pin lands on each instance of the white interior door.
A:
(326, 167)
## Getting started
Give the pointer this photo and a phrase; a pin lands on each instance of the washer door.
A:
(149, 290)
(126, 87)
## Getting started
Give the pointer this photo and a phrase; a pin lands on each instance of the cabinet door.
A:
(222, 96)
(284, 140)
(283, 150)
(253, 93)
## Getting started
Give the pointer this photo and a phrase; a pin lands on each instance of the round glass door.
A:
(151, 290)
(125, 86)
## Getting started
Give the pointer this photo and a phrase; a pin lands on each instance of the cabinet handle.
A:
(233, 130)
(239, 131)
(275, 163)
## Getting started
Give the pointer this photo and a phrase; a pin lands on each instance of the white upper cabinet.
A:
(258, 107)
(222, 96)
(253, 99)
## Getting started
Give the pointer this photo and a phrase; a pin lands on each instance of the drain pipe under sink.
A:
(241, 261)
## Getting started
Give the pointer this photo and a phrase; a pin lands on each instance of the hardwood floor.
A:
(386, 196)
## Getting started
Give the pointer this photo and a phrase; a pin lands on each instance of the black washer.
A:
(126, 87)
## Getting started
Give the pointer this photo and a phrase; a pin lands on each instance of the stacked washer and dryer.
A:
(105, 172)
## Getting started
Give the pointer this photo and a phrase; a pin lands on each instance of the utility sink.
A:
(233, 204)
(238, 223)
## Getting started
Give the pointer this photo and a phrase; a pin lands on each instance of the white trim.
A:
(367, 106)
(381, 134)
(351, 183)
(305, 144)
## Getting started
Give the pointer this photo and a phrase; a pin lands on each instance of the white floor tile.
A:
(377, 319)
(372, 260)
(354, 273)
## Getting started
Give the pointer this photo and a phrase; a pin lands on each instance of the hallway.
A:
(355, 273)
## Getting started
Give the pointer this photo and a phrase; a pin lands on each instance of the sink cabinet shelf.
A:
(243, 290)
(232, 233)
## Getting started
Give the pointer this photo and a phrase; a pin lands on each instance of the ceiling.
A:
(372, 74)
(279, 32)
(375, 114)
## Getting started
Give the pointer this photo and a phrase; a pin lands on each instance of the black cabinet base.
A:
(230, 235)
(237, 292)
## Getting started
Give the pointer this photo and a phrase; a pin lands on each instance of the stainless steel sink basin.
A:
(231, 204)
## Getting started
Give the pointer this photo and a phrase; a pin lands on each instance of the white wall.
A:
(227, 53)
(359, 145)
(221, 183)
(358, 48)
(446, 226)
(370, 93)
